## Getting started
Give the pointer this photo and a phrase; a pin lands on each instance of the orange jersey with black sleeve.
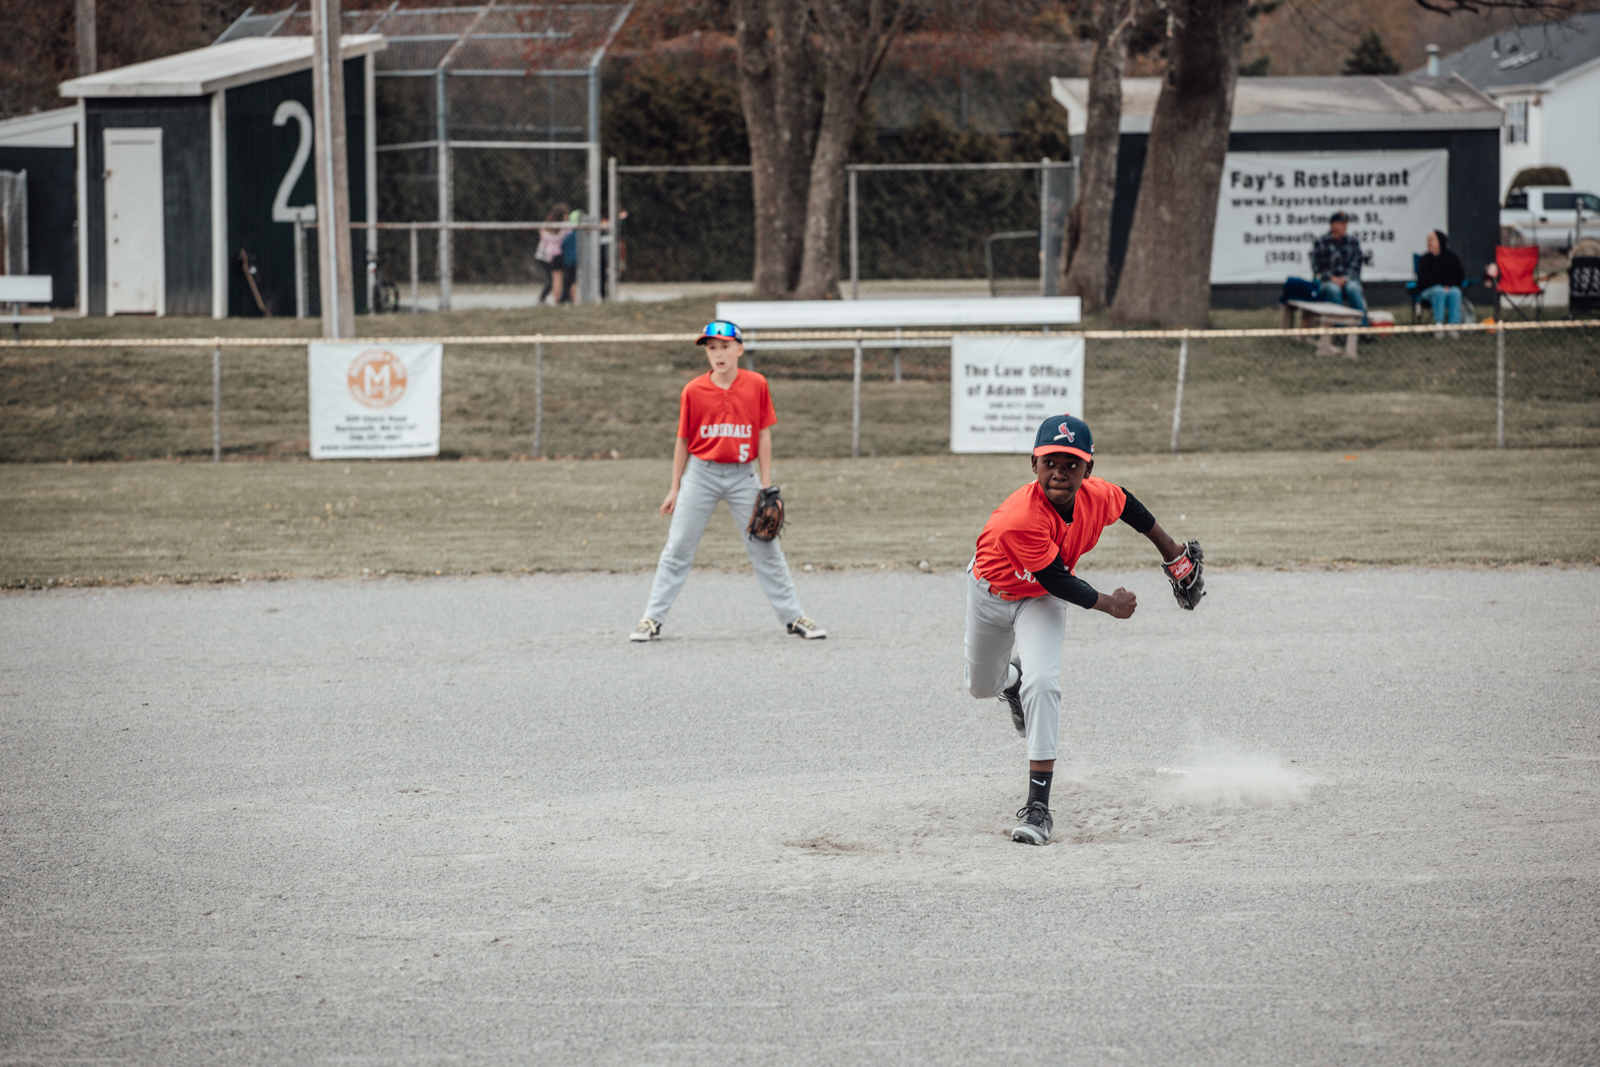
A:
(724, 425)
(1026, 534)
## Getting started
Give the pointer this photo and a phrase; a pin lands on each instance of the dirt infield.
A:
(1332, 817)
(160, 521)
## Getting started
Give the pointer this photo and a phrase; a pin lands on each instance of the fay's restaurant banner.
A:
(374, 401)
(1273, 205)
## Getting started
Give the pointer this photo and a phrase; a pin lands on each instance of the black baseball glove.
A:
(767, 518)
(1184, 573)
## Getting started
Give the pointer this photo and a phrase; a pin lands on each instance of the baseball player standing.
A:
(724, 452)
(1020, 582)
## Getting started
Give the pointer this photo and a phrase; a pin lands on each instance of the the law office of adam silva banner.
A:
(1273, 205)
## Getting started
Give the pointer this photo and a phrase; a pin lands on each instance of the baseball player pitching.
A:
(1020, 582)
(724, 452)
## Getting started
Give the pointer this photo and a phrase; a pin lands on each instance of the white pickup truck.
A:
(1551, 216)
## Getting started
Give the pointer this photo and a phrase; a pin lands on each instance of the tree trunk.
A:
(856, 35)
(776, 86)
(1166, 277)
(1087, 273)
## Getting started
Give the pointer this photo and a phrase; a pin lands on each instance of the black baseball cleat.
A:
(647, 630)
(1011, 697)
(1035, 826)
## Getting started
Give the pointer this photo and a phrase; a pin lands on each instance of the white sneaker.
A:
(647, 630)
(807, 628)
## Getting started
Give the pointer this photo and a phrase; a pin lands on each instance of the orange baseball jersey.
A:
(1026, 533)
(722, 425)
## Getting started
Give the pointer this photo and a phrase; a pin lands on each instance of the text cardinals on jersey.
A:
(727, 429)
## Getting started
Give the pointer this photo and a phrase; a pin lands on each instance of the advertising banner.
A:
(1273, 205)
(1002, 388)
(374, 401)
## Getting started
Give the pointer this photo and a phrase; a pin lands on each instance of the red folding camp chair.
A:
(1517, 266)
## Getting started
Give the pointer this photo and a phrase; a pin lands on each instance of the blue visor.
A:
(720, 328)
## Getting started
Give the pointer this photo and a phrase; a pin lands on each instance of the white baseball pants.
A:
(704, 485)
(1005, 636)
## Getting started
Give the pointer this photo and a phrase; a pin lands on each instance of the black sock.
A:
(1039, 786)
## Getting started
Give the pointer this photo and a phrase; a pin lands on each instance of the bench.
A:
(1329, 314)
(752, 316)
(19, 289)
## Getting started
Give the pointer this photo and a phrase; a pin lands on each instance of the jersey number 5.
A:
(744, 453)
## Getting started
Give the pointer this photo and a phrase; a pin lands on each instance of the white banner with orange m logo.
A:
(374, 401)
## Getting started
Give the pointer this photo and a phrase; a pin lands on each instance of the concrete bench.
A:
(19, 289)
(1327, 314)
(753, 316)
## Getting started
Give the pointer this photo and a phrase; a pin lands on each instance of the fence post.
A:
(612, 257)
(855, 243)
(1500, 385)
(538, 398)
(446, 208)
(299, 267)
(1177, 404)
(855, 411)
(216, 404)
(414, 307)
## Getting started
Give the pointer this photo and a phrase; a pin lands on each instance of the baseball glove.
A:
(767, 518)
(1184, 573)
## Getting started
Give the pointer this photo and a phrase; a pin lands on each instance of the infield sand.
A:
(1332, 817)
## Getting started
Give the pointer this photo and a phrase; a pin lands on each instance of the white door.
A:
(136, 265)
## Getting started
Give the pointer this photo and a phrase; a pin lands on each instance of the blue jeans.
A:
(1446, 300)
(1350, 295)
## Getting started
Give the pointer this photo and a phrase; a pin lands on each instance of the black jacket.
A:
(1442, 269)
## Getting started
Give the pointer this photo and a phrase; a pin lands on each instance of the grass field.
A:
(131, 522)
(1249, 394)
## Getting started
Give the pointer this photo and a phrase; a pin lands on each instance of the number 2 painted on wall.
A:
(281, 211)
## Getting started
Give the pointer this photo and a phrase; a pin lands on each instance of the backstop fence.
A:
(990, 229)
(1517, 385)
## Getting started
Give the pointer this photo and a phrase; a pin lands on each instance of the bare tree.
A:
(856, 35)
(1085, 273)
(776, 86)
(1166, 277)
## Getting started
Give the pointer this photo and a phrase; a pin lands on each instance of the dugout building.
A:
(182, 163)
(1401, 154)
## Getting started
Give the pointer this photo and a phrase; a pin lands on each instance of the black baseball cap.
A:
(1064, 433)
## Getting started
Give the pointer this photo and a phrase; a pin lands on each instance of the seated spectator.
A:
(1336, 261)
(1439, 278)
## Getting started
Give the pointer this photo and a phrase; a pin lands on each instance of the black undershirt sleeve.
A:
(1062, 583)
(1136, 514)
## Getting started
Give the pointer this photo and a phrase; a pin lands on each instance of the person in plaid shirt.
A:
(1336, 259)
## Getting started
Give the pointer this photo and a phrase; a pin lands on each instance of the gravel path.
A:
(1332, 817)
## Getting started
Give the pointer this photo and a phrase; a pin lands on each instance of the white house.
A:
(1546, 78)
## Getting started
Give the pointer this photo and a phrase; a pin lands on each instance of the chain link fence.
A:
(585, 396)
(970, 228)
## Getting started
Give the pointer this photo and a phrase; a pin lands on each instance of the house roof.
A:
(206, 70)
(42, 129)
(1299, 105)
(1528, 56)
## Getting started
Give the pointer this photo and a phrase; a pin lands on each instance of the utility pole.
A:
(85, 32)
(333, 178)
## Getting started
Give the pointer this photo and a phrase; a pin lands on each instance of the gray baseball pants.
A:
(1007, 636)
(704, 485)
